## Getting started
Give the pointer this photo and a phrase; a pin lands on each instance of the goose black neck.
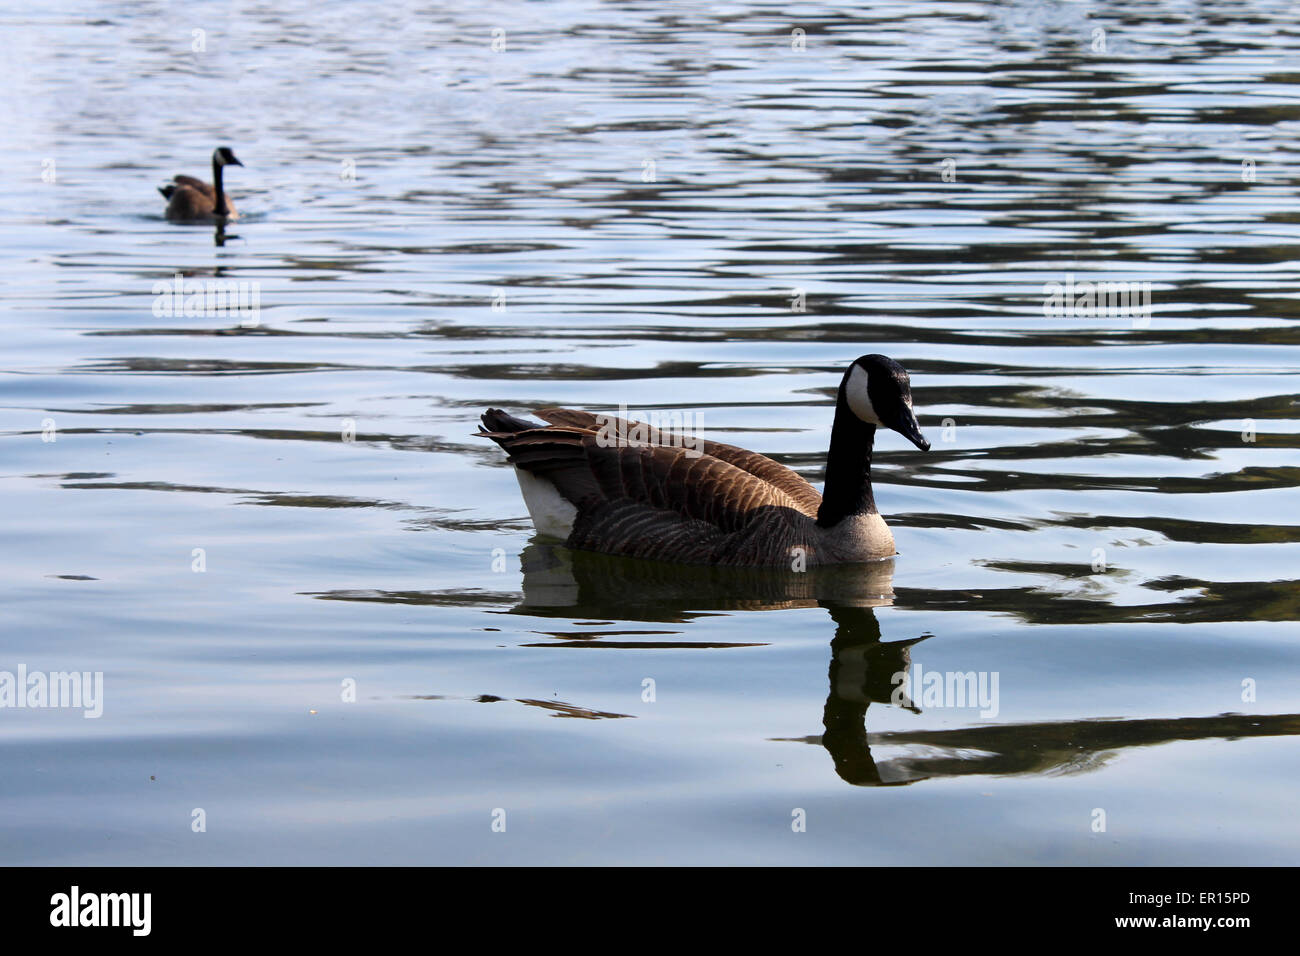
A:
(220, 207)
(848, 468)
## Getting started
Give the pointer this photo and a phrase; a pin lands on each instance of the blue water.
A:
(303, 578)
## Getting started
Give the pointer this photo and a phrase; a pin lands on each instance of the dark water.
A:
(617, 209)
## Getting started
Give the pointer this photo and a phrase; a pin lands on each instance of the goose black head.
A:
(225, 156)
(878, 391)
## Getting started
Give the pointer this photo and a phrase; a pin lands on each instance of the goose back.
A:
(190, 198)
(760, 466)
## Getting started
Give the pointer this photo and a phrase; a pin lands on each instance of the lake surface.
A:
(325, 631)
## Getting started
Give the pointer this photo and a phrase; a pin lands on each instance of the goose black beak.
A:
(907, 427)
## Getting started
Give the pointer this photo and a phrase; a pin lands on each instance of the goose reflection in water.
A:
(863, 668)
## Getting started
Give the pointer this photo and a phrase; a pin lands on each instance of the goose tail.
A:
(495, 421)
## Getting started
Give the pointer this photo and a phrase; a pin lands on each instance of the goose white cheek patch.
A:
(858, 397)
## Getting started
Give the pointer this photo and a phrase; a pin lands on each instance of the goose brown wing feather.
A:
(205, 188)
(186, 202)
(554, 453)
(589, 473)
(804, 496)
(192, 198)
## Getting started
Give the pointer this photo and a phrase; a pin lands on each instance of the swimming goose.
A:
(601, 483)
(193, 200)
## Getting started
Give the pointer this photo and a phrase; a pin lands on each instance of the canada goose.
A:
(601, 483)
(190, 199)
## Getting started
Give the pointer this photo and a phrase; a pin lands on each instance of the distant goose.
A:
(648, 496)
(193, 200)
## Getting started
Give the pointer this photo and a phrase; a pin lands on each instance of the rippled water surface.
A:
(673, 207)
